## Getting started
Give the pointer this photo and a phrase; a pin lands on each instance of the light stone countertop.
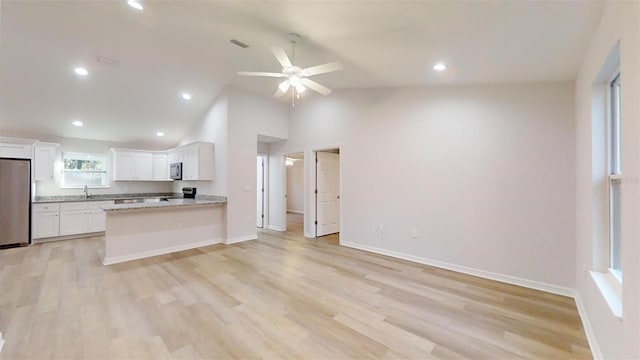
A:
(100, 197)
(201, 201)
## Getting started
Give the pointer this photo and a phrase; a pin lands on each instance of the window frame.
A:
(82, 155)
(614, 164)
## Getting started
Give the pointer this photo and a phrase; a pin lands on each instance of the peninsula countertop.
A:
(198, 201)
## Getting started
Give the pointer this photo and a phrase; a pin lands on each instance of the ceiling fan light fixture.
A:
(300, 88)
(284, 86)
(135, 4)
(295, 81)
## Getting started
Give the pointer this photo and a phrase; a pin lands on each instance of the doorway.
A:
(260, 191)
(327, 192)
(294, 193)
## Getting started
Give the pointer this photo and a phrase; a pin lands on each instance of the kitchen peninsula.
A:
(140, 230)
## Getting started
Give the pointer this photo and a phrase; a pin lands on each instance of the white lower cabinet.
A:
(46, 220)
(96, 220)
(72, 222)
(82, 217)
(70, 218)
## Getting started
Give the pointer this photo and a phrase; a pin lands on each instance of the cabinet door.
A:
(18, 151)
(95, 220)
(123, 166)
(160, 167)
(173, 158)
(73, 222)
(190, 164)
(43, 163)
(143, 166)
(46, 224)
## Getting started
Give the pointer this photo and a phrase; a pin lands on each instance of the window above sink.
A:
(80, 169)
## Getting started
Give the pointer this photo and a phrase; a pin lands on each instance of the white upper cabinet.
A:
(44, 160)
(197, 161)
(16, 148)
(140, 165)
(160, 167)
(143, 166)
(123, 166)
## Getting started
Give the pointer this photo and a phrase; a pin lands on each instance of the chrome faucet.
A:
(86, 192)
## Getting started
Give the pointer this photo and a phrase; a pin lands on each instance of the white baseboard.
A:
(309, 235)
(167, 250)
(296, 211)
(1, 342)
(275, 228)
(241, 239)
(588, 330)
(554, 289)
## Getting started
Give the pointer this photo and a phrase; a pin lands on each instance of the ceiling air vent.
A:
(239, 43)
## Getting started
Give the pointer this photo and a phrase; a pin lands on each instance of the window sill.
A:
(611, 291)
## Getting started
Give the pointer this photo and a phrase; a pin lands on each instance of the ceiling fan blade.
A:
(257, 73)
(282, 88)
(315, 86)
(282, 57)
(321, 69)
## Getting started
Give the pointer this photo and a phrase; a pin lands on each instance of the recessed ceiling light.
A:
(159, 133)
(77, 123)
(134, 4)
(439, 67)
(81, 71)
(186, 96)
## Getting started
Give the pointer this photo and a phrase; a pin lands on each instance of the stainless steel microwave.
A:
(175, 171)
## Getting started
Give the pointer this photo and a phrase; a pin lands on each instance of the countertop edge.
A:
(157, 205)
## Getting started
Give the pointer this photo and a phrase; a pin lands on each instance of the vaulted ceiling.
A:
(172, 47)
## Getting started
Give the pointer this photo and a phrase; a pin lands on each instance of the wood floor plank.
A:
(282, 296)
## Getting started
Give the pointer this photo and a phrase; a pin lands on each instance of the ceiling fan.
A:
(295, 77)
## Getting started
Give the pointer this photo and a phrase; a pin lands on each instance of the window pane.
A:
(80, 178)
(615, 184)
(84, 169)
(615, 197)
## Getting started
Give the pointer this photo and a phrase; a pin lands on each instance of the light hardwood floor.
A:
(278, 297)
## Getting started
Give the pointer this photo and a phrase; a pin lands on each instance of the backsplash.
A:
(52, 188)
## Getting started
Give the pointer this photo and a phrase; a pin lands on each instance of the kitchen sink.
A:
(136, 201)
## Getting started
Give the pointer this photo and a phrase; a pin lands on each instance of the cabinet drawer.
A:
(46, 207)
(73, 206)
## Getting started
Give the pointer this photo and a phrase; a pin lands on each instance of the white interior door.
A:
(260, 192)
(328, 193)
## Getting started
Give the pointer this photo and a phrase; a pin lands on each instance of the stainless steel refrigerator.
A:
(15, 202)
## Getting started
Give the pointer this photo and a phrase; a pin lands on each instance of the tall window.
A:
(615, 179)
(80, 169)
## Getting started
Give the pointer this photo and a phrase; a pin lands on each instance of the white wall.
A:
(616, 339)
(233, 123)
(485, 174)
(249, 116)
(212, 128)
(263, 148)
(44, 188)
(295, 187)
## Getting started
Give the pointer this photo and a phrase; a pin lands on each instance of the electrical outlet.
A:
(379, 228)
(414, 234)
